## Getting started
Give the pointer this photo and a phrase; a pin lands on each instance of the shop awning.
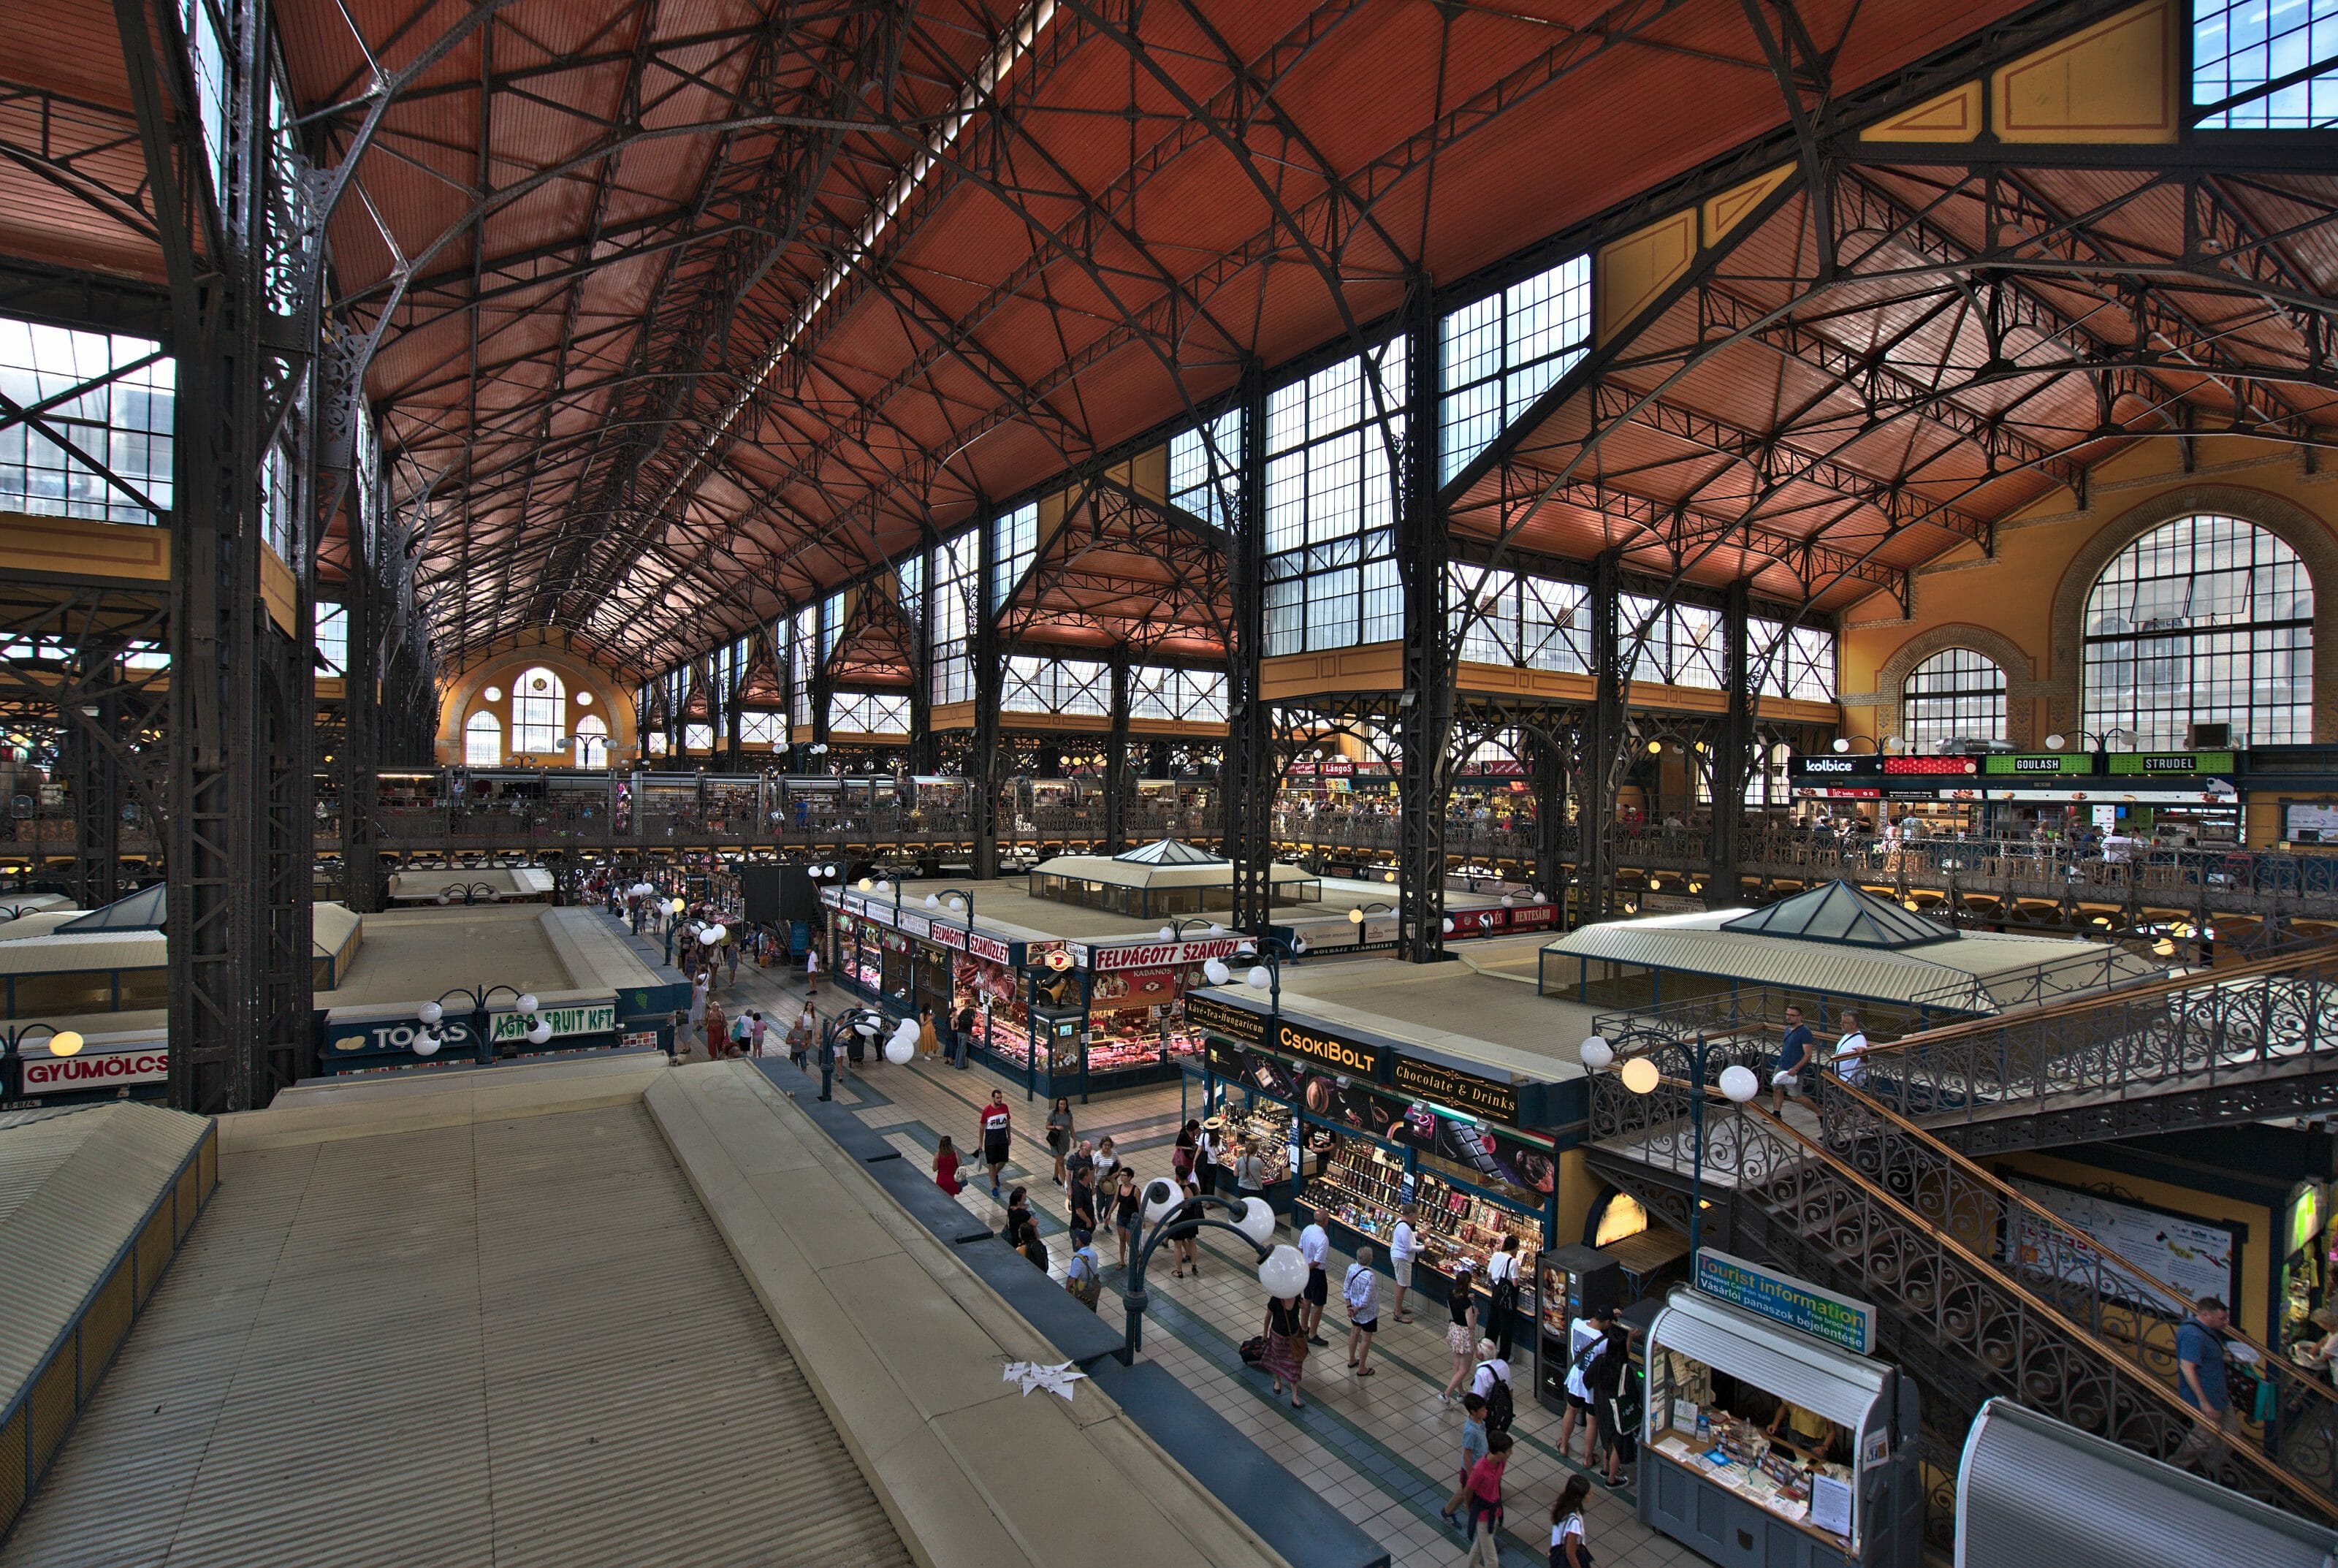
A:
(1836, 1384)
(2032, 1489)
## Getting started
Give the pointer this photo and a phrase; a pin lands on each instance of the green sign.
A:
(2025, 763)
(1783, 1299)
(2177, 763)
(592, 1018)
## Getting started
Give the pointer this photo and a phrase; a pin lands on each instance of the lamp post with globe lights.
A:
(1174, 930)
(1641, 1076)
(1162, 1207)
(1361, 912)
(18, 1045)
(427, 1039)
(1266, 954)
(866, 1022)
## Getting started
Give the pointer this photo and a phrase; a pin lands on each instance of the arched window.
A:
(539, 712)
(482, 740)
(1957, 694)
(2205, 620)
(592, 744)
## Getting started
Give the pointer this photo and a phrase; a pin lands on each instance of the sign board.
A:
(1335, 1051)
(1154, 954)
(2022, 763)
(2166, 763)
(396, 1034)
(592, 1018)
(1461, 1091)
(1931, 767)
(1780, 1297)
(1223, 1018)
(94, 1069)
(2193, 1256)
(1832, 769)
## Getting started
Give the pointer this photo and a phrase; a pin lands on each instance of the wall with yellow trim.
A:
(465, 694)
(2013, 594)
(2257, 1257)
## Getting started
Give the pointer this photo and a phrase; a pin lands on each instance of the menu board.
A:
(2196, 1257)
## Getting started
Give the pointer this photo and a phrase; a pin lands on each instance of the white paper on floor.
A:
(1056, 1379)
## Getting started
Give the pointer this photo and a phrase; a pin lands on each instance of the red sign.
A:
(46, 1074)
(1931, 767)
(1532, 917)
(950, 936)
(1157, 955)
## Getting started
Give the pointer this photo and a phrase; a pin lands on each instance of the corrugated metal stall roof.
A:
(74, 1186)
(518, 1341)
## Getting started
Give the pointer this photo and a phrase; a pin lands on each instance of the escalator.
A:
(1979, 1291)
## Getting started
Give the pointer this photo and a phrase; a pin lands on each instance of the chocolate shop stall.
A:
(1371, 1122)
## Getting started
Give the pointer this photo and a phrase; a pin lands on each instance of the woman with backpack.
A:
(1566, 1545)
(1609, 1378)
(1502, 1282)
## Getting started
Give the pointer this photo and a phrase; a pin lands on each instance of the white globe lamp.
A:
(1257, 1220)
(1740, 1083)
(1596, 1054)
(1284, 1272)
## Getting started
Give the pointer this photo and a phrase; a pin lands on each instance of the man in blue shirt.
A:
(2200, 1382)
(1794, 1060)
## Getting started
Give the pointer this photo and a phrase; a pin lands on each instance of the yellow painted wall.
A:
(465, 694)
(2256, 1252)
(2013, 594)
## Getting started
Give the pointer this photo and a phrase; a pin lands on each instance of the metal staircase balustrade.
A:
(2115, 1301)
(2220, 1049)
(1817, 1214)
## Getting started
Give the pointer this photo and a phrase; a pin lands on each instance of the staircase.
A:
(1979, 1293)
(2239, 1044)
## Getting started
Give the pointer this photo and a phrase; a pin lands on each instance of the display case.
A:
(1761, 1444)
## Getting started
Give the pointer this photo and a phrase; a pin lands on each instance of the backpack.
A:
(1498, 1407)
(1082, 1279)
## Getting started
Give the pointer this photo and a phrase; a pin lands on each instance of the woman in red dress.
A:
(946, 1168)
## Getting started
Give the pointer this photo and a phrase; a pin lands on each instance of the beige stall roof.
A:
(1116, 872)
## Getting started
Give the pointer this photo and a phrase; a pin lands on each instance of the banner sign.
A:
(1223, 1018)
(1461, 1091)
(94, 1069)
(2166, 763)
(1832, 769)
(916, 925)
(397, 1034)
(950, 936)
(1154, 954)
(1335, 1051)
(594, 1018)
(1931, 767)
(2038, 762)
(1783, 1299)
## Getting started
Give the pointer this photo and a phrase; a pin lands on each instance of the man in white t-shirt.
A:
(1360, 1291)
(1582, 1334)
(1315, 1246)
(1849, 1048)
(1401, 1250)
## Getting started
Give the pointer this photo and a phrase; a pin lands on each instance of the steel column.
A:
(1425, 706)
(1116, 759)
(988, 661)
(1248, 777)
(1732, 750)
(1602, 749)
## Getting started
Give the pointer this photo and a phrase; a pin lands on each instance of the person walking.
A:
(1491, 1383)
(799, 1038)
(812, 973)
(1401, 1252)
(731, 960)
(1019, 1214)
(756, 1030)
(1315, 1246)
(1286, 1344)
(1185, 1237)
(1462, 1334)
(1605, 1379)
(2200, 1382)
(1083, 1272)
(1208, 1150)
(1182, 1158)
(997, 1136)
(1502, 1286)
(1794, 1049)
(1851, 1050)
(697, 1008)
(1124, 1213)
(1473, 1448)
(1359, 1292)
(929, 1044)
(962, 1035)
(1083, 1202)
(946, 1168)
(1080, 1161)
(1106, 1164)
(1567, 1546)
(1485, 1500)
(1059, 1134)
(716, 1027)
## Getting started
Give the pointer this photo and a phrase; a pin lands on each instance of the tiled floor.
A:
(1382, 1450)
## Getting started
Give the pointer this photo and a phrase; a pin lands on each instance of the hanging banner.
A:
(1154, 954)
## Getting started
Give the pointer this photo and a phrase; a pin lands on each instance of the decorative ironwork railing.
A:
(2256, 1029)
(1915, 1237)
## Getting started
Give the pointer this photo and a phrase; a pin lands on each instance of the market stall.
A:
(1770, 1436)
(1369, 1126)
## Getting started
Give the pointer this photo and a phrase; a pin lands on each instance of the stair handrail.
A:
(1788, 1149)
(2308, 1390)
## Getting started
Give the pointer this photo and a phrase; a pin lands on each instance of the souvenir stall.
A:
(1369, 1124)
(1769, 1436)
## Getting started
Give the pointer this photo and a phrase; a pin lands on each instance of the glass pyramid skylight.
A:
(1170, 852)
(1839, 912)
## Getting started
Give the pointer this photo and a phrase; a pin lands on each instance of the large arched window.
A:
(1957, 694)
(482, 740)
(539, 712)
(592, 744)
(2205, 620)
